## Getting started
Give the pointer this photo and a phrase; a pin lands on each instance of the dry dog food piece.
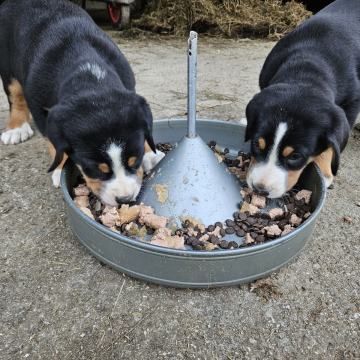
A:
(194, 223)
(295, 220)
(109, 216)
(128, 214)
(251, 209)
(81, 190)
(276, 213)
(82, 201)
(233, 245)
(248, 239)
(162, 193)
(216, 232)
(163, 237)
(87, 211)
(272, 230)
(304, 195)
(258, 201)
(287, 229)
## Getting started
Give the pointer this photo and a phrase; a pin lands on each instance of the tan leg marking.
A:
(52, 153)
(19, 113)
(324, 161)
(262, 143)
(293, 177)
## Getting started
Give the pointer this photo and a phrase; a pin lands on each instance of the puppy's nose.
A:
(123, 200)
(260, 189)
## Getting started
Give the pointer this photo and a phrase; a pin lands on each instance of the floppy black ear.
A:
(338, 136)
(55, 136)
(149, 125)
(251, 117)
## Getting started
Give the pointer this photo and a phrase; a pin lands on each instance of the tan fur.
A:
(287, 151)
(262, 143)
(140, 173)
(19, 113)
(104, 168)
(324, 162)
(147, 147)
(52, 153)
(293, 177)
(131, 161)
(93, 184)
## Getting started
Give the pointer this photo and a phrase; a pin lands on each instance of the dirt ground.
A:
(58, 302)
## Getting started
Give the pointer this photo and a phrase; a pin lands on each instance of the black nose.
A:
(260, 189)
(123, 200)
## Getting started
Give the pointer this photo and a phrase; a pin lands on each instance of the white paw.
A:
(328, 180)
(243, 121)
(56, 176)
(150, 160)
(17, 135)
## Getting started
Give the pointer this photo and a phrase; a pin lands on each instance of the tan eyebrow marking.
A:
(104, 168)
(288, 150)
(132, 161)
(262, 143)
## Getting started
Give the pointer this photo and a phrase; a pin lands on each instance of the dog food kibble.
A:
(252, 223)
(163, 237)
(258, 201)
(304, 195)
(276, 213)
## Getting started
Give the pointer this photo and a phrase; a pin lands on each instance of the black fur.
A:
(45, 44)
(310, 80)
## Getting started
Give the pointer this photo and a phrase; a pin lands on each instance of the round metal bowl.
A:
(185, 268)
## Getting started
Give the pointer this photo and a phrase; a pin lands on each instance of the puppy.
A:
(58, 66)
(309, 100)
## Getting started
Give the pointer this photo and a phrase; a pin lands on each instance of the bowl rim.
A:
(145, 246)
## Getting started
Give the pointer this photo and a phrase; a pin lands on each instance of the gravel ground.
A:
(58, 302)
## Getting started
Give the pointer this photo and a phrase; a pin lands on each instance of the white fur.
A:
(328, 180)
(150, 160)
(94, 69)
(17, 135)
(269, 174)
(122, 185)
(55, 176)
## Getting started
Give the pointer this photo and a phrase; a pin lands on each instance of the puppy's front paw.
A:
(55, 177)
(17, 135)
(328, 181)
(150, 160)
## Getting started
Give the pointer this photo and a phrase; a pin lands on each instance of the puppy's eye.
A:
(294, 159)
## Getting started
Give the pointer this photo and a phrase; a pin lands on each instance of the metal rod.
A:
(192, 74)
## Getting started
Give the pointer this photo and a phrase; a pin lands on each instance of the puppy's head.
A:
(288, 131)
(106, 141)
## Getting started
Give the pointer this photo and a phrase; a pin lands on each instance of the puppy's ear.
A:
(148, 124)
(337, 136)
(55, 136)
(251, 117)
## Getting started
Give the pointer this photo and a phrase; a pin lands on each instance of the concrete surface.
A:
(58, 302)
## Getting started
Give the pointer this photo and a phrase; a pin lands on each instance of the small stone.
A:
(347, 219)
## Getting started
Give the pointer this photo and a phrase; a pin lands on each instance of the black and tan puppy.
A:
(309, 100)
(58, 66)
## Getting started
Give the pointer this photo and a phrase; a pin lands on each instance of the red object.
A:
(114, 11)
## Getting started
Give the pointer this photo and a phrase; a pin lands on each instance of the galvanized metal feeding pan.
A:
(211, 196)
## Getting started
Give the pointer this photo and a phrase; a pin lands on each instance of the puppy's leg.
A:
(55, 176)
(324, 162)
(17, 128)
(150, 159)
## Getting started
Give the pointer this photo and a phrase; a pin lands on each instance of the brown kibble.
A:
(128, 214)
(109, 216)
(163, 237)
(82, 201)
(295, 220)
(81, 190)
(251, 209)
(276, 213)
(193, 223)
(216, 232)
(272, 230)
(258, 201)
(304, 195)
(87, 212)
(248, 239)
(347, 219)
